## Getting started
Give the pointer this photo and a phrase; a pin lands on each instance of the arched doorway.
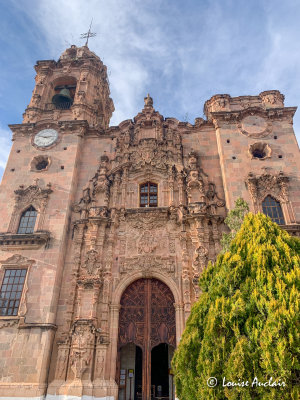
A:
(147, 322)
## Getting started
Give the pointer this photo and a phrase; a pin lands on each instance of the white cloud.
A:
(181, 53)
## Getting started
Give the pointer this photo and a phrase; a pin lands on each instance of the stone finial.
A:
(148, 101)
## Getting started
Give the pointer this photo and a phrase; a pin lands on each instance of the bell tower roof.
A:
(78, 53)
(75, 88)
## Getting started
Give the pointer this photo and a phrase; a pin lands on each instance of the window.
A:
(27, 220)
(11, 291)
(148, 195)
(272, 209)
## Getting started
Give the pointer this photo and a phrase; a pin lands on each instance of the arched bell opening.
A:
(146, 320)
(64, 92)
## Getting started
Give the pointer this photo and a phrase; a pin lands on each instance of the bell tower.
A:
(73, 88)
(69, 111)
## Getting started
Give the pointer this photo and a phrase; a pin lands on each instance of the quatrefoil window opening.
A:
(148, 194)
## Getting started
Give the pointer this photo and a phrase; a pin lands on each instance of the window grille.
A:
(27, 221)
(272, 209)
(148, 195)
(11, 291)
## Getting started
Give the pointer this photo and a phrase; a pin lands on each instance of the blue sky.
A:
(181, 52)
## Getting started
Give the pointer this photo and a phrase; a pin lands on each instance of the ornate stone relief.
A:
(272, 98)
(83, 338)
(260, 151)
(272, 184)
(31, 195)
(95, 198)
(62, 359)
(148, 263)
(201, 194)
(147, 243)
(219, 102)
(91, 263)
(254, 125)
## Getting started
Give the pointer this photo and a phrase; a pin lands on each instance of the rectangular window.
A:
(11, 291)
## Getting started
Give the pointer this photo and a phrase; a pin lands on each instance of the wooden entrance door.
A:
(147, 318)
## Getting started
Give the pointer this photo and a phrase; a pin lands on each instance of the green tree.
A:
(234, 221)
(246, 322)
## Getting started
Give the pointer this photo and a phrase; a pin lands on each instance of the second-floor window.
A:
(27, 220)
(272, 209)
(148, 194)
(11, 291)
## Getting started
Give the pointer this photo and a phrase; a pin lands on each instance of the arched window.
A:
(148, 194)
(272, 209)
(27, 220)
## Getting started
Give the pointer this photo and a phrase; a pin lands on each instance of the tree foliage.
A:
(246, 322)
(234, 221)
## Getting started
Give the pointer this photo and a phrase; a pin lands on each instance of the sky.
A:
(182, 52)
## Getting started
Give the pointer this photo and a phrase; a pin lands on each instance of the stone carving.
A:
(272, 98)
(8, 323)
(150, 153)
(83, 337)
(91, 263)
(275, 185)
(148, 221)
(94, 201)
(219, 102)
(172, 247)
(148, 263)
(199, 262)
(147, 243)
(18, 260)
(32, 195)
(260, 151)
(202, 196)
(83, 206)
(254, 124)
(36, 99)
(148, 101)
(80, 96)
(62, 359)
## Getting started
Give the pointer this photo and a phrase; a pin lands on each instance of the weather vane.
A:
(88, 34)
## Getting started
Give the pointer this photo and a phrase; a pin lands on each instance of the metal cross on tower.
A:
(88, 34)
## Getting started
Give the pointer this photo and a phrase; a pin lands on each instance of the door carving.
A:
(147, 318)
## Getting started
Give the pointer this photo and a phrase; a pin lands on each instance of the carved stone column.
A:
(181, 188)
(216, 236)
(123, 187)
(113, 349)
(171, 187)
(115, 189)
(62, 360)
(186, 281)
(179, 316)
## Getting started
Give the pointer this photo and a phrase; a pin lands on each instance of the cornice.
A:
(27, 241)
(238, 115)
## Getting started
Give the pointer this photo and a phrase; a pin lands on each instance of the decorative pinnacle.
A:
(148, 101)
(88, 34)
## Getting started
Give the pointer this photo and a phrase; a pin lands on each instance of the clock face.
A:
(45, 138)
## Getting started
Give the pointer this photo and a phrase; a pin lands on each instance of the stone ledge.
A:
(293, 230)
(19, 241)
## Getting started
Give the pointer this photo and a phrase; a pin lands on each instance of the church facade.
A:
(105, 230)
